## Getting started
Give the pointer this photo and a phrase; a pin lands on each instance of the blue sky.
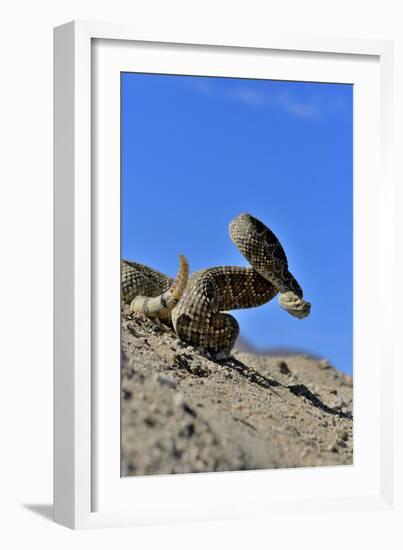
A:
(197, 151)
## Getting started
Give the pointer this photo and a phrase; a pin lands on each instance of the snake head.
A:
(295, 306)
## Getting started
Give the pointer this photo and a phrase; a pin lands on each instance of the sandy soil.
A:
(183, 411)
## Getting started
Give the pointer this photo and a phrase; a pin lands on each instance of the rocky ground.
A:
(184, 411)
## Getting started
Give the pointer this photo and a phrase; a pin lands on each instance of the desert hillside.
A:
(183, 411)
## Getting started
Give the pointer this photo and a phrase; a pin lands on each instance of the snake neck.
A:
(232, 287)
(260, 246)
(284, 281)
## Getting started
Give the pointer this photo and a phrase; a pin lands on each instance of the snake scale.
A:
(196, 305)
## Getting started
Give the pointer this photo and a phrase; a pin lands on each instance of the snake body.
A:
(197, 305)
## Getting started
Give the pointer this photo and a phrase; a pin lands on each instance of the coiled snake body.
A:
(196, 305)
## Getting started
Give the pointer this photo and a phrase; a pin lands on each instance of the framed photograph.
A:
(222, 223)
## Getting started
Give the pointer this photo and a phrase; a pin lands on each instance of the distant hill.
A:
(244, 346)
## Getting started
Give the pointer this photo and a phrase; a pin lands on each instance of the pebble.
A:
(132, 330)
(221, 355)
(138, 342)
(337, 403)
(167, 381)
(283, 368)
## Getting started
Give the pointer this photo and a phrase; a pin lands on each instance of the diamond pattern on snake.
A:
(197, 305)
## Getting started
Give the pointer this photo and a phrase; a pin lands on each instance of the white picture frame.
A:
(88, 490)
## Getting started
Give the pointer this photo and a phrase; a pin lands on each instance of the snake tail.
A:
(161, 305)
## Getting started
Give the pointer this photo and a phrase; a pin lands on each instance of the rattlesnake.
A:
(196, 305)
